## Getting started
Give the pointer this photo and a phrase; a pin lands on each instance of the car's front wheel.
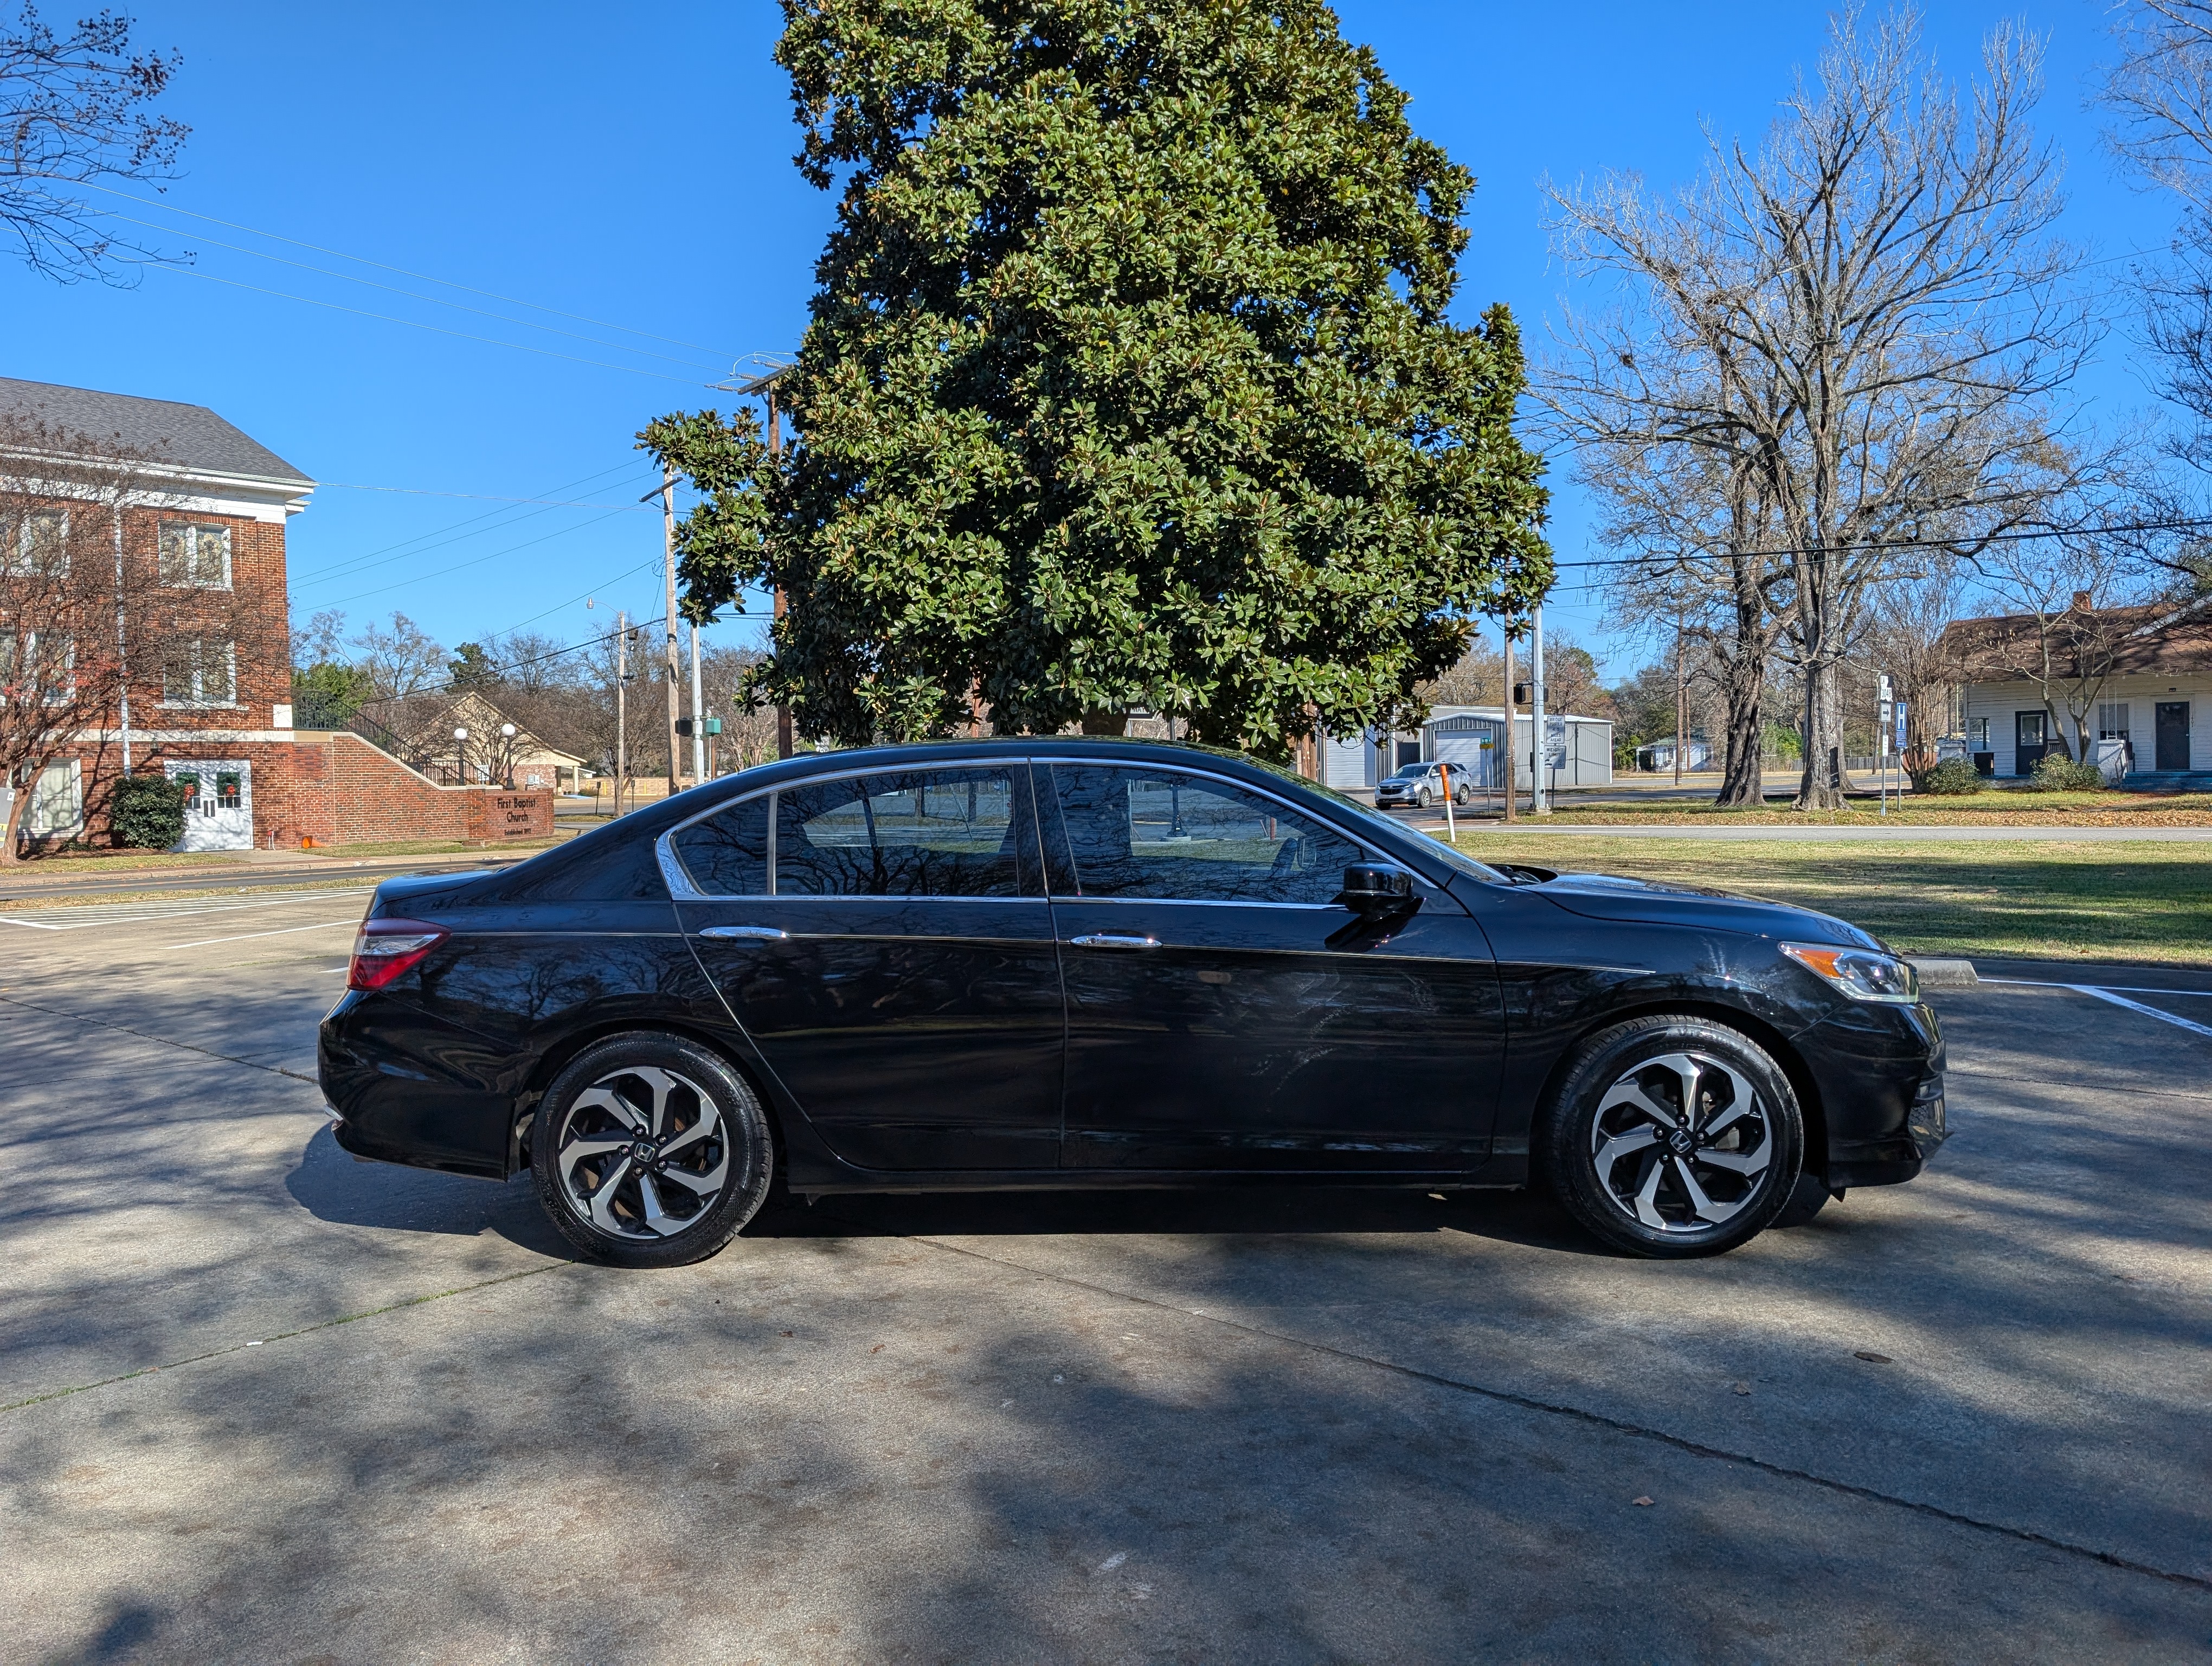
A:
(650, 1151)
(1673, 1136)
(1421, 797)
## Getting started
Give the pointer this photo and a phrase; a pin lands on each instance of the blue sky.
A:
(632, 168)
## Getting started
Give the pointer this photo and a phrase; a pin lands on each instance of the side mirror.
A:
(1376, 888)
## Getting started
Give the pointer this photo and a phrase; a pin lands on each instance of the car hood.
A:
(1652, 902)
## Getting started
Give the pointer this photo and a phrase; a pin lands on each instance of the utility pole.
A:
(776, 449)
(674, 667)
(1681, 702)
(1505, 638)
(621, 705)
(1539, 797)
(698, 722)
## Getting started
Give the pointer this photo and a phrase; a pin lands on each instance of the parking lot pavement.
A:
(1961, 1419)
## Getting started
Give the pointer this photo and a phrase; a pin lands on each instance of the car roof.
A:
(651, 821)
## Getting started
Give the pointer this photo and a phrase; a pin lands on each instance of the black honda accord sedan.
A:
(1059, 964)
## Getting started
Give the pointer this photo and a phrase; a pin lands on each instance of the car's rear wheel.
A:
(1673, 1136)
(650, 1151)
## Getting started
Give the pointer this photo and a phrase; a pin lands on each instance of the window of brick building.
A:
(39, 660)
(41, 544)
(195, 556)
(199, 671)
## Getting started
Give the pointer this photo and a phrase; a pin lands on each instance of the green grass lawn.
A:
(2052, 900)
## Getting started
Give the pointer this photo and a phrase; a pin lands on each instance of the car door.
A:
(885, 939)
(1225, 1014)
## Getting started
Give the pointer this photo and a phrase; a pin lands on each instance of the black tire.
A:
(677, 1157)
(1655, 1197)
(1421, 798)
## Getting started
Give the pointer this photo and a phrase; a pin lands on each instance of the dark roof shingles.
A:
(165, 430)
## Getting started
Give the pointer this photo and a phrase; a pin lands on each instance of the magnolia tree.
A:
(1132, 381)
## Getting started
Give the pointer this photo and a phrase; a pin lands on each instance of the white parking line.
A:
(2137, 1006)
(133, 914)
(321, 925)
(2112, 994)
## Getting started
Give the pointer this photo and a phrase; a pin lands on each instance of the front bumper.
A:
(1879, 1071)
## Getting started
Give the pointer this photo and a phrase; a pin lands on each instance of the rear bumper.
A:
(409, 1088)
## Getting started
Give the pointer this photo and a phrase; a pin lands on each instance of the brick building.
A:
(214, 704)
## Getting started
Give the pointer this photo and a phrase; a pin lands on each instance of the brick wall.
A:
(338, 789)
(334, 788)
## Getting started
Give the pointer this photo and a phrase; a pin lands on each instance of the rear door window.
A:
(904, 833)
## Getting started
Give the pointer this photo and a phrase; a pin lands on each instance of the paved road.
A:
(264, 1402)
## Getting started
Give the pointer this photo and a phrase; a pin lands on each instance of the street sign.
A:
(1555, 742)
(1901, 727)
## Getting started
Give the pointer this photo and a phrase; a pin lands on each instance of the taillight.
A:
(385, 948)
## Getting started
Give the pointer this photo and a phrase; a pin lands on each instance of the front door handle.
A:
(765, 934)
(1113, 940)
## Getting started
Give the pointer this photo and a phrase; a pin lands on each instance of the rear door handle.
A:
(1113, 940)
(765, 934)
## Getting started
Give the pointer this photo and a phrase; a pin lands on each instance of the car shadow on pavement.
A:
(1513, 1217)
(332, 1184)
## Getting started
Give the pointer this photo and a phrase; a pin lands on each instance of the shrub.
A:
(1953, 776)
(2054, 774)
(148, 812)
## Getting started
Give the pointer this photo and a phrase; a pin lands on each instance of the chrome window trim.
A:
(681, 889)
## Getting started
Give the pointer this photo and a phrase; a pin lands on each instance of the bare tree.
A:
(1910, 618)
(1878, 314)
(87, 607)
(402, 659)
(73, 112)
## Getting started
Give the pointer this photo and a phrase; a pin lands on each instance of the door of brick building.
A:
(218, 803)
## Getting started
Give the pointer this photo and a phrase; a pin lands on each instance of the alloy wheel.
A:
(1682, 1142)
(642, 1153)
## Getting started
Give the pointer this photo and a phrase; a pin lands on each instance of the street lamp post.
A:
(461, 755)
(507, 753)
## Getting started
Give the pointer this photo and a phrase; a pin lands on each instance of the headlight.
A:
(1862, 974)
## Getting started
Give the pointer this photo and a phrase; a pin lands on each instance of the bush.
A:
(2054, 774)
(1953, 776)
(148, 812)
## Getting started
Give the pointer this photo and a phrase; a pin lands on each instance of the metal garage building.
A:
(1470, 737)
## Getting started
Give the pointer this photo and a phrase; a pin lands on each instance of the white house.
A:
(1470, 737)
(1660, 754)
(2145, 669)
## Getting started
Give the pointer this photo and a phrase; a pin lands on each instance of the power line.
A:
(340, 254)
(394, 289)
(435, 329)
(487, 497)
(477, 562)
(368, 558)
(2175, 526)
